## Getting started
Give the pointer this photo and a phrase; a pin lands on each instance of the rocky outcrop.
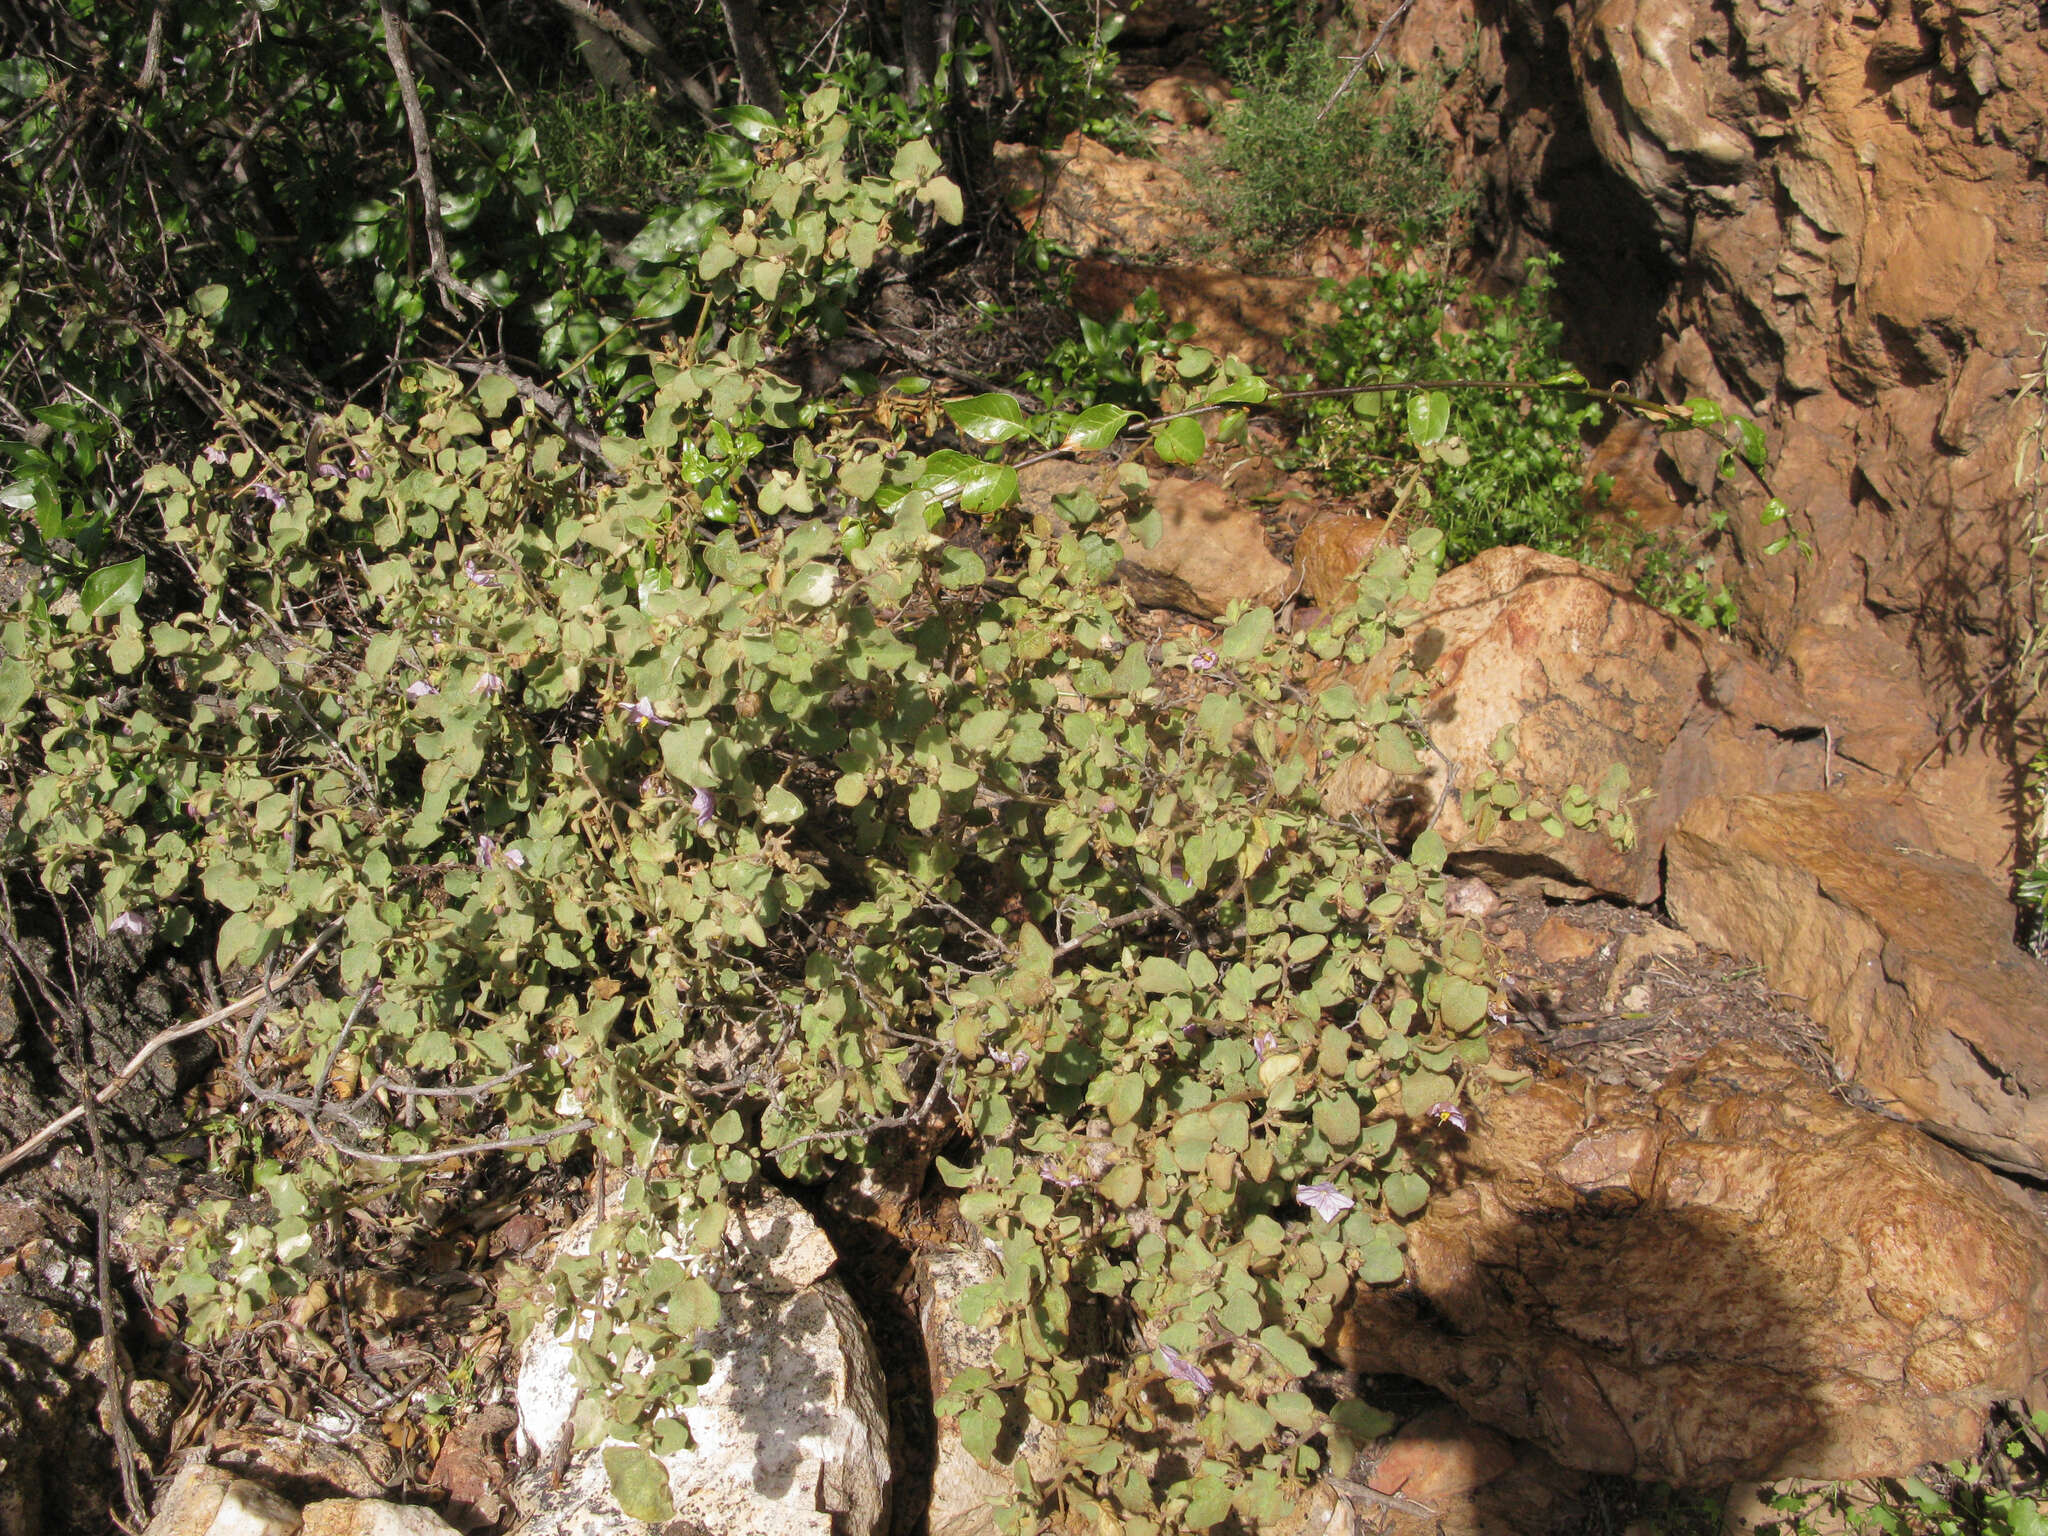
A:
(1827, 216)
(1210, 549)
(1332, 550)
(1904, 954)
(790, 1433)
(1444, 1475)
(1088, 198)
(204, 1500)
(1738, 1276)
(1586, 676)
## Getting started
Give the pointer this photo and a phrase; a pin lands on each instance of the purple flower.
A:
(706, 808)
(420, 688)
(1182, 1369)
(1203, 661)
(1264, 1042)
(1326, 1200)
(213, 454)
(480, 578)
(1014, 1061)
(1049, 1171)
(329, 471)
(1447, 1112)
(642, 710)
(490, 851)
(360, 472)
(133, 923)
(489, 684)
(268, 492)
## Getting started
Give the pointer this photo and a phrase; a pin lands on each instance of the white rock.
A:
(791, 1431)
(965, 1494)
(372, 1517)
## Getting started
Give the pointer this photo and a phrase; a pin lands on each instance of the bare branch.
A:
(1371, 50)
(157, 1042)
(396, 50)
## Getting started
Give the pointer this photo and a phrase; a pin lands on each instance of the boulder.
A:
(371, 1517)
(1211, 551)
(1587, 676)
(1255, 317)
(1089, 198)
(791, 1430)
(1736, 1276)
(1187, 98)
(204, 1500)
(1904, 954)
(1330, 552)
(1439, 1455)
(1445, 1475)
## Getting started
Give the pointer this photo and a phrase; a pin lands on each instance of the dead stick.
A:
(156, 1043)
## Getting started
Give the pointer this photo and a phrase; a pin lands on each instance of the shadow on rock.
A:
(1739, 1276)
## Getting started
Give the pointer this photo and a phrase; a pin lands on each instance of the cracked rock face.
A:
(791, 1431)
(1739, 1276)
(1903, 953)
(1587, 676)
(1828, 216)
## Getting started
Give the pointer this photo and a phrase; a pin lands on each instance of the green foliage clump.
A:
(1114, 361)
(1076, 88)
(701, 871)
(1510, 473)
(1288, 168)
(2031, 883)
(2004, 1494)
(1259, 38)
(598, 147)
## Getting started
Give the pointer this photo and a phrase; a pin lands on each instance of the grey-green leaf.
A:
(639, 1483)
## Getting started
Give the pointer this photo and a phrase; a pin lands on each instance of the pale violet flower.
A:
(706, 808)
(1049, 1171)
(1014, 1061)
(489, 684)
(361, 471)
(490, 851)
(328, 471)
(1263, 1042)
(420, 689)
(1184, 1369)
(1447, 1112)
(1326, 1200)
(268, 492)
(132, 923)
(642, 710)
(212, 454)
(478, 577)
(1203, 661)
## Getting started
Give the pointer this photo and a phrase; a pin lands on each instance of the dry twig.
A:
(157, 1042)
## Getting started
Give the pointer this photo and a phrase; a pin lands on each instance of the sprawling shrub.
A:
(617, 800)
